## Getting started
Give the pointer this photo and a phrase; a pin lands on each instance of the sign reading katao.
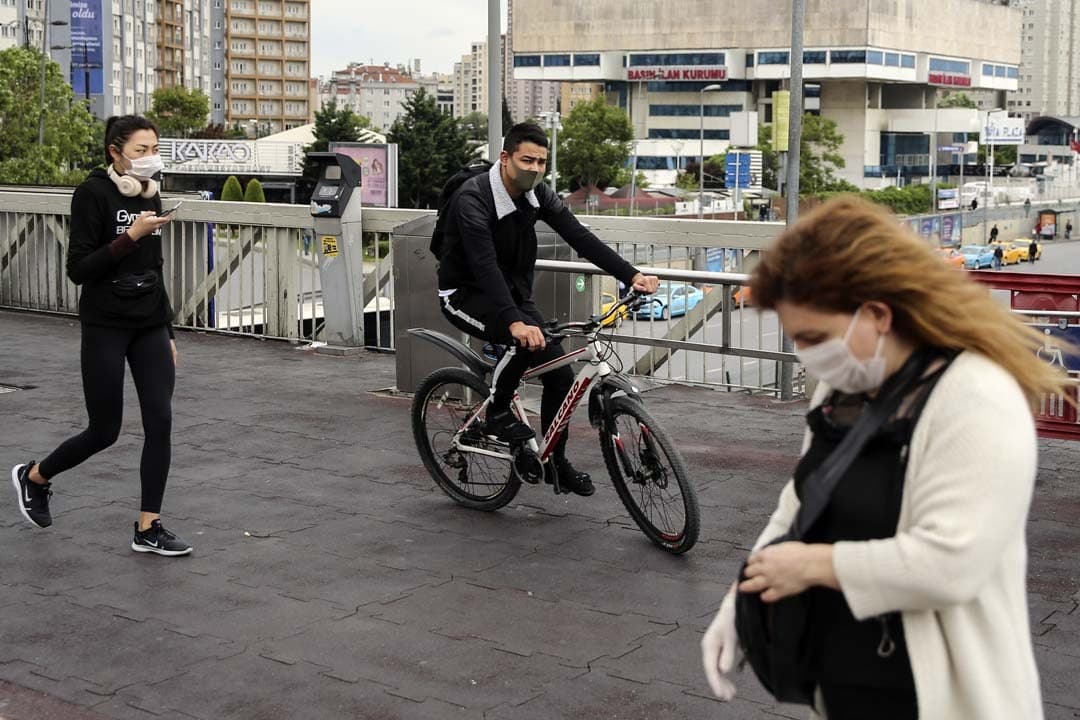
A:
(232, 157)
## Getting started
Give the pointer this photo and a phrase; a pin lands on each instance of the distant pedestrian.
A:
(1033, 251)
(974, 204)
(1068, 229)
(999, 255)
(763, 213)
(1027, 206)
(114, 254)
(912, 582)
(994, 233)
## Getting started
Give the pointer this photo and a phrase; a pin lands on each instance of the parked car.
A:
(606, 301)
(671, 301)
(1009, 254)
(1022, 247)
(977, 256)
(951, 256)
(742, 296)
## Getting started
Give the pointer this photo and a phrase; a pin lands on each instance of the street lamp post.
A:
(701, 149)
(44, 61)
(553, 122)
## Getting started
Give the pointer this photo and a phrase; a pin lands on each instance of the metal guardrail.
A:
(251, 269)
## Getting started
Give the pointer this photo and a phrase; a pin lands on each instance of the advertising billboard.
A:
(781, 100)
(378, 165)
(86, 52)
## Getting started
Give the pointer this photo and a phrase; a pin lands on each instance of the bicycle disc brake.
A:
(526, 465)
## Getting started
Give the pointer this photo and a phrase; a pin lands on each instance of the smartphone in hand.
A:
(171, 210)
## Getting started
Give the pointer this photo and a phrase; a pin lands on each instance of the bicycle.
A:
(480, 472)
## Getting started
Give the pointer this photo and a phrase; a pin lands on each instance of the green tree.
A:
(820, 156)
(431, 147)
(1004, 155)
(715, 174)
(594, 143)
(475, 125)
(235, 132)
(956, 100)
(69, 130)
(623, 179)
(179, 112)
(232, 192)
(332, 124)
(254, 192)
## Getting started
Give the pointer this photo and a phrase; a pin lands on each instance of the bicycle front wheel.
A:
(650, 476)
(444, 402)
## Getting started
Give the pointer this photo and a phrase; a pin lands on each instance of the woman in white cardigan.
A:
(858, 295)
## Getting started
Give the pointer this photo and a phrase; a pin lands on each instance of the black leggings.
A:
(150, 356)
(470, 312)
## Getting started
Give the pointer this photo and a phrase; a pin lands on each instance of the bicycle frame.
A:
(592, 371)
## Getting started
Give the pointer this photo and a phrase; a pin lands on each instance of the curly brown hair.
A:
(850, 251)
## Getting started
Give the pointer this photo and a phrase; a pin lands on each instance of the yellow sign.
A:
(329, 246)
(781, 117)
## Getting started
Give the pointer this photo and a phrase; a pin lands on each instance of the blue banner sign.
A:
(87, 59)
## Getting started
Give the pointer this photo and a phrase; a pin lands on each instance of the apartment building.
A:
(10, 32)
(377, 92)
(1049, 82)
(261, 64)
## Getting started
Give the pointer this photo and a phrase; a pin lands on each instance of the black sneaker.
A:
(571, 480)
(504, 425)
(33, 498)
(157, 539)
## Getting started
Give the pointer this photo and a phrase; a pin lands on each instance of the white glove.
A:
(718, 648)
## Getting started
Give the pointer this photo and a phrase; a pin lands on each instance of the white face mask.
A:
(832, 363)
(145, 167)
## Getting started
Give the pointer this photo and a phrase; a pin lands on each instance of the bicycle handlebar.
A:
(555, 330)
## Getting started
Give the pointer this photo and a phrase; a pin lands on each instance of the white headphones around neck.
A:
(130, 187)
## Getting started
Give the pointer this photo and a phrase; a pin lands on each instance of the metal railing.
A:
(715, 337)
(252, 269)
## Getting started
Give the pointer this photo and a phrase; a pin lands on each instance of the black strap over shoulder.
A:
(819, 486)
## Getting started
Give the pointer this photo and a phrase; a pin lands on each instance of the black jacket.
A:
(100, 252)
(496, 256)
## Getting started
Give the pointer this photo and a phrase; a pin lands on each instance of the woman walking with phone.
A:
(114, 254)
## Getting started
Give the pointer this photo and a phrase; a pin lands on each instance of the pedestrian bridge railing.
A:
(252, 269)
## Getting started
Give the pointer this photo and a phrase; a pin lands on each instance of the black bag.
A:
(136, 295)
(438, 235)
(774, 636)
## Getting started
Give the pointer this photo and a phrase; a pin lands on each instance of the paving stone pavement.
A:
(332, 580)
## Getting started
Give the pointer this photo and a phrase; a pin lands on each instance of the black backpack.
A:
(438, 235)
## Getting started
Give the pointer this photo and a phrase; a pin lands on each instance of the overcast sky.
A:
(438, 32)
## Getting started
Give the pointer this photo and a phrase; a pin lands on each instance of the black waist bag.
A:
(136, 295)
(774, 636)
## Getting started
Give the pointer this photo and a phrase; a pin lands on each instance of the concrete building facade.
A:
(874, 68)
(10, 32)
(470, 79)
(1049, 81)
(183, 44)
(525, 98)
(261, 64)
(377, 92)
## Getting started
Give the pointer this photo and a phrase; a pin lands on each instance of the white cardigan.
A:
(956, 569)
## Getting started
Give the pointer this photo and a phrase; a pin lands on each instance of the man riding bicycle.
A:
(486, 278)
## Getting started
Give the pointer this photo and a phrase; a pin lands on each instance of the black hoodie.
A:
(103, 258)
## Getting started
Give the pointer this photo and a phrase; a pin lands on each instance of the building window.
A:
(1013, 73)
(661, 59)
(692, 110)
(687, 134)
(813, 57)
(892, 59)
(556, 61)
(956, 67)
(987, 70)
(773, 58)
(875, 57)
(526, 61)
(587, 59)
(907, 61)
(726, 86)
(848, 56)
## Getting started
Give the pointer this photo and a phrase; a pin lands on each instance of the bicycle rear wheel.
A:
(445, 400)
(650, 476)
